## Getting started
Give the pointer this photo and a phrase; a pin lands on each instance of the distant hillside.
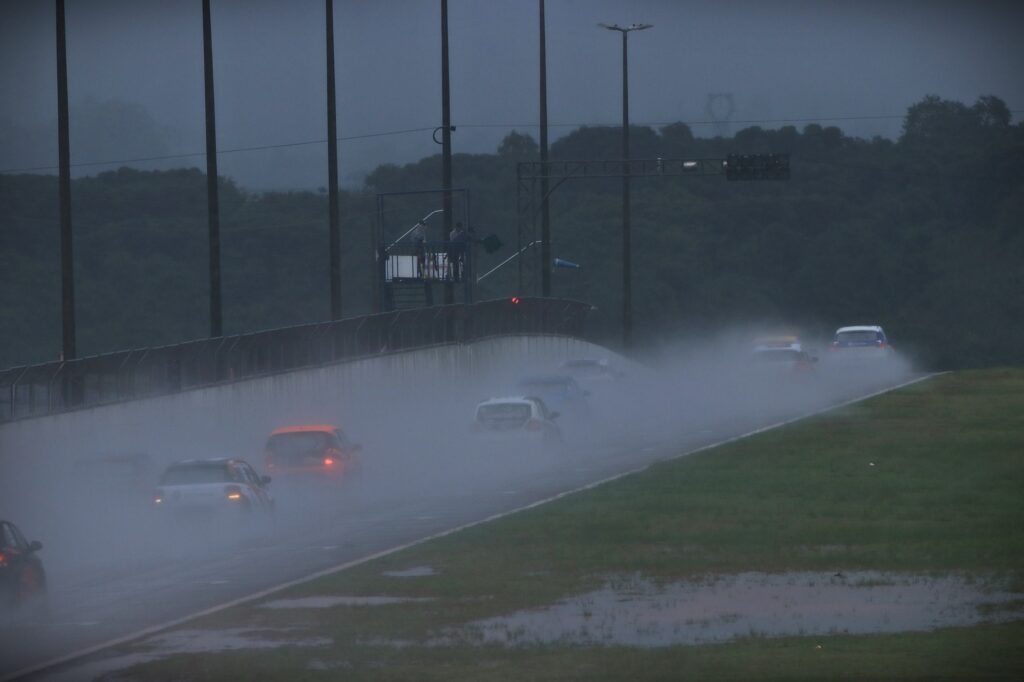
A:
(921, 235)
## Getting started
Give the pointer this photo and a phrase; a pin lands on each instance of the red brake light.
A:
(515, 300)
(534, 425)
(328, 461)
(3, 559)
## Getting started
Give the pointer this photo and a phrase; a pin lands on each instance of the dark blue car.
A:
(561, 393)
(860, 342)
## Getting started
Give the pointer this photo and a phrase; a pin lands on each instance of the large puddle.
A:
(638, 612)
(634, 611)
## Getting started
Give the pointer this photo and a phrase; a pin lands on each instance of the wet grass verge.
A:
(927, 480)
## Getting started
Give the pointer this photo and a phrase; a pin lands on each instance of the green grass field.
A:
(928, 480)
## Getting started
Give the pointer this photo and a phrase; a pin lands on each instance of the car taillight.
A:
(3, 559)
(233, 492)
(328, 461)
(534, 425)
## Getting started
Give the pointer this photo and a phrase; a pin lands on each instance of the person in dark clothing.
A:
(419, 236)
(458, 242)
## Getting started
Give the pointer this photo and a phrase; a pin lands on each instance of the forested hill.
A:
(922, 235)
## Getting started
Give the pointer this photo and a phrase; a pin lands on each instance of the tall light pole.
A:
(627, 275)
(446, 140)
(334, 239)
(545, 215)
(212, 201)
(67, 277)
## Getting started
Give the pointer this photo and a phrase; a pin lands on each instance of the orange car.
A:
(318, 450)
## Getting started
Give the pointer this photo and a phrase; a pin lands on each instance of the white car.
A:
(860, 342)
(210, 488)
(517, 420)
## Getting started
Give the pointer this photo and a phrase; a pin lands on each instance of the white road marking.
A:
(153, 629)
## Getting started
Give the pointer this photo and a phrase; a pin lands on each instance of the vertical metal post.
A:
(469, 257)
(332, 171)
(212, 202)
(446, 141)
(383, 289)
(545, 219)
(627, 255)
(519, 227)
(67, 275)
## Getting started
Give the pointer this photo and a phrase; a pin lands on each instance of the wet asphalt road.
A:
(316, 530)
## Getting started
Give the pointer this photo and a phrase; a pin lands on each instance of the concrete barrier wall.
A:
(234, 419)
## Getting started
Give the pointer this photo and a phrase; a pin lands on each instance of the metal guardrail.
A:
(434, 261)
(60, 386)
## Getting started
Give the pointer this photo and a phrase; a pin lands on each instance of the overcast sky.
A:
(861, 63)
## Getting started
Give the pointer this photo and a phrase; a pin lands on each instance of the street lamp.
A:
(627, 288)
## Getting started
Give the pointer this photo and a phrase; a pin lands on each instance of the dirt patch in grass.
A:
(190, 641)
(415, 572)
(329, 601)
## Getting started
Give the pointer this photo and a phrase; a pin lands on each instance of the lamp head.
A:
(627, 29)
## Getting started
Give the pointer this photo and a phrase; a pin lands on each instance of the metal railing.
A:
(127, 375)
(434, 261)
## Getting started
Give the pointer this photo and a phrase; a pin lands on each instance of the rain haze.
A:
(202, 469)
(115, 562)
(854, 65)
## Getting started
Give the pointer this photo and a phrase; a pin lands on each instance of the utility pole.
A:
(627, 256)
(545, 217)
(67, 270)
(332, 172)
(446, 142)
(212, 203)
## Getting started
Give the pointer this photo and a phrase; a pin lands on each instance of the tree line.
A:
(920, 234)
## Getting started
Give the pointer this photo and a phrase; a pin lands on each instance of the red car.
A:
(318, 451)
(21, 572)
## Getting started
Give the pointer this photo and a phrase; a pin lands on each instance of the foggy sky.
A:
(794, 60)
